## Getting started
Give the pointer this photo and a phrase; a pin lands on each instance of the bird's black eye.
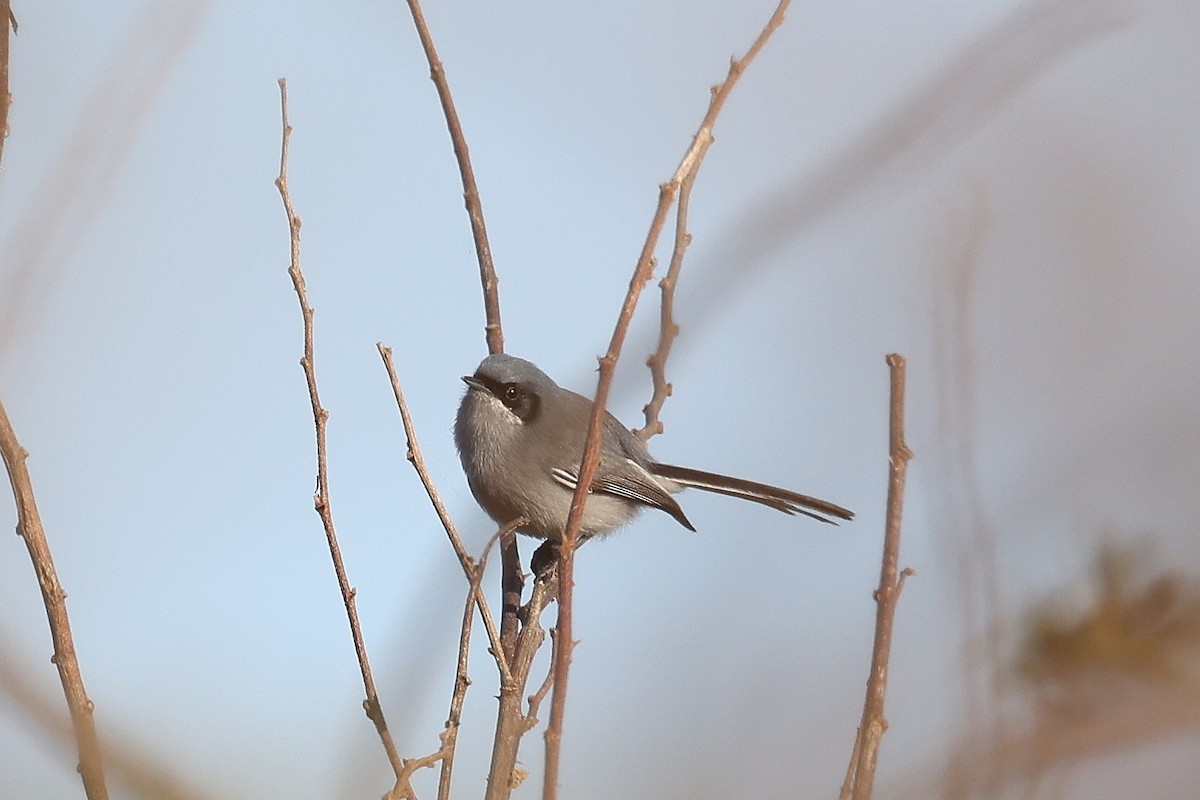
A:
(518, 399)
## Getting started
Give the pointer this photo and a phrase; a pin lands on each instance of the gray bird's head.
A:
(515, 383)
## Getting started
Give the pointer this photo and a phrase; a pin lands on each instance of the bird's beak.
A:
(474, 383)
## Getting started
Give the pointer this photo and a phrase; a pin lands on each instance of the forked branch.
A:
(668, 192)
(667, 329)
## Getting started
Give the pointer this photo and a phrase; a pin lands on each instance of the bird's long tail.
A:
(788, 502)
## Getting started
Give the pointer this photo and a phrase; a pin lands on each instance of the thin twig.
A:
(461, 679)
(848, 781)
(566, 568)
(512, 578)
(464, 559)
(54, 597)
(320, 419)
(6, 19)
(861, 777)
(535, 699)
(487, 271)
(29, 528)
(667, 329)
(513, 659)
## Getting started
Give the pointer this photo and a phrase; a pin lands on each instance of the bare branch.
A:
(6, 17)
(54, 597)
(321, 499)
(487, 271)
(512, 637)
(667, 329)
(587, 468)
(29, 527)
(511, 724)
(461, 679)
(464, 559)
(513, 658)
(535, 699)
(861, 776)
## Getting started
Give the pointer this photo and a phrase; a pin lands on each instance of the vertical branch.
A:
(487, 271)
(6, 17)
(512, 579)
(54, 597)
(687, 170)
(29, 527)
(320, 420)
(861, 775)
(511, 724)
(461, 681)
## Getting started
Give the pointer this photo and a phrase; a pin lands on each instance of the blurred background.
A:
(1004, 192)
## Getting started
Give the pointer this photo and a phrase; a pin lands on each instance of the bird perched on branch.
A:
(520, 437)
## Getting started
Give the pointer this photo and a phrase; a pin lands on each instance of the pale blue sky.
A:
(149, 340)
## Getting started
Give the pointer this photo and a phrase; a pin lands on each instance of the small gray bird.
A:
(520, 437)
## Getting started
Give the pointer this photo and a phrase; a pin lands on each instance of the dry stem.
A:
(461, 679)
(321, 498)
(6, 17)
(511, 724)
(487, 271)
(860, 776)
(513, 658)
(464, 559)
(29, 527)
(688, 166)
(54, 597)
(512, 580)
(667, 329)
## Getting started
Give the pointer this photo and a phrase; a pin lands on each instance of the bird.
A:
(520, 437)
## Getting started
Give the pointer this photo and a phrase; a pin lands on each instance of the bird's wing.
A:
(636, 485)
